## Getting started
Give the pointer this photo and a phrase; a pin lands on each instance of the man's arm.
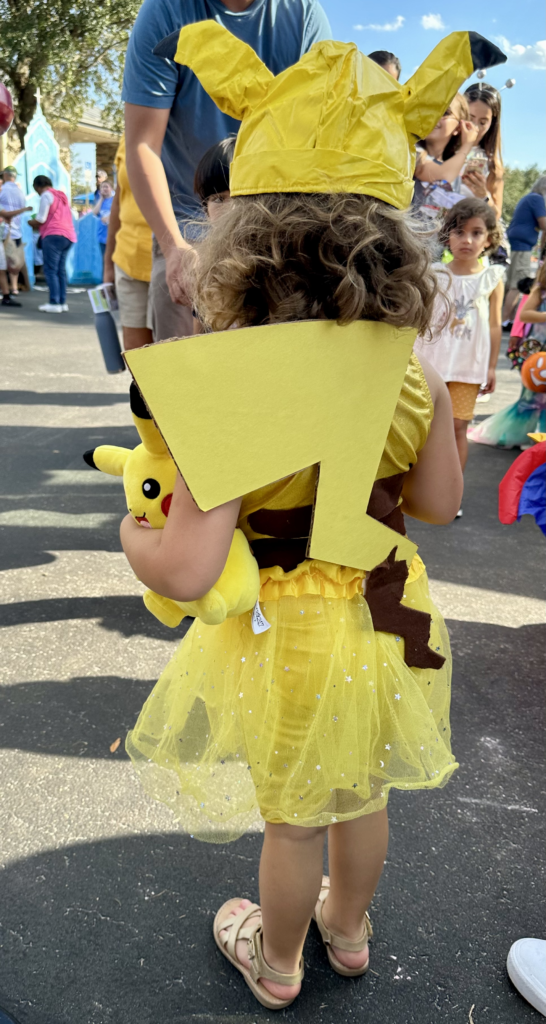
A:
(144, 133)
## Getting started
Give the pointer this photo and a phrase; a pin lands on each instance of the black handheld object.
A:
(109, 342)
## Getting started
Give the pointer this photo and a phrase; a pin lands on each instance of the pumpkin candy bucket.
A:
(533, 372)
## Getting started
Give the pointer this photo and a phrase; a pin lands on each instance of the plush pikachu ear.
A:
(228, 69)
(431, 89)
(107, 458)
(149, 434)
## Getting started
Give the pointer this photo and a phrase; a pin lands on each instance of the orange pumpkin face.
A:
(533, 372)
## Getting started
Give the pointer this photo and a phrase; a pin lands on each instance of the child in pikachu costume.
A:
(343, 691)
(149, 475)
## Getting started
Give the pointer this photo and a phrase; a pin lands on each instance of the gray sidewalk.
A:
(105, 907)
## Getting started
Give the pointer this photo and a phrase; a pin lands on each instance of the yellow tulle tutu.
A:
(309, 723)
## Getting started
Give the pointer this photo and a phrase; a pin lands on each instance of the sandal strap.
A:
(234, 926)
(331, 939)
(260, 969)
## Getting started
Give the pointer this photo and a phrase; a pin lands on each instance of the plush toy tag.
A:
(241, 409)
(259, 621)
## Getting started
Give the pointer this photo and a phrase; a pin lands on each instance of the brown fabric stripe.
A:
(282, 522)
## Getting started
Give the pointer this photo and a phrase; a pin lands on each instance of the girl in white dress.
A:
(465, 344)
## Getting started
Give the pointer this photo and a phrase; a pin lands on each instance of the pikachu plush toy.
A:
(149, 475)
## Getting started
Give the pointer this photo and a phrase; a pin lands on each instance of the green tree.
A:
(73, 50)
(517, 182)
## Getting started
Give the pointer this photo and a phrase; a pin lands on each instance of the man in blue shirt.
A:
(170, 122)
(528, 219)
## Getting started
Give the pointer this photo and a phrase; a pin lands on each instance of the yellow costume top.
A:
(133, 251)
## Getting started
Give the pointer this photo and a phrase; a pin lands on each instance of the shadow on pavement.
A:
(120, 930)
(80, 399)
(124, 614)
(497, 699)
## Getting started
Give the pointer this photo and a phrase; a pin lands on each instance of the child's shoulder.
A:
(490, 277)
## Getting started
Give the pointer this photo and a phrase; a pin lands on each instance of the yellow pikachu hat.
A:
(333, 122)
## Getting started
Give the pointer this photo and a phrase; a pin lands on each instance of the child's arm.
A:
(185, 559)
(433, 488)
(530, 313)
(428, 170)
(495, 329)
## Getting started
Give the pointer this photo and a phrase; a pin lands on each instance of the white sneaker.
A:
(64, 307)
(50, 308)
(526, 965)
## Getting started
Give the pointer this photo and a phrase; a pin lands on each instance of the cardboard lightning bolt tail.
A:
(241, 409)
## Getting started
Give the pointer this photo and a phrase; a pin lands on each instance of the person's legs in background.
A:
(132, 296)
(167, 319)
(14, 275)
(520, 266)
(53, 247)
(7, 299)
(103, 253)
(62, 270)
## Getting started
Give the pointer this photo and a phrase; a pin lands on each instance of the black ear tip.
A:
(88, 457)
(167, 47)
(136, 401)
(484, 53)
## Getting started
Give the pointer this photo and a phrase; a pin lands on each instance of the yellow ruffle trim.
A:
(324, 578)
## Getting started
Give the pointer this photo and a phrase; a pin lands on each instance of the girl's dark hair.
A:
(42, 181)
(463, 212)
(525, 284)
(491, 142)
(212, 172)
(383, 57)
(293, 256)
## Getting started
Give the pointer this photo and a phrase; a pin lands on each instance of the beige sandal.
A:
(330, 939)
(258, 967)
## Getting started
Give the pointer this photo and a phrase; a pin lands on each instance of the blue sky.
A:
(402, 29)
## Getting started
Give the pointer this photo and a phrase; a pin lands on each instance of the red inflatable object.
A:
(512, 483)
(6, 109)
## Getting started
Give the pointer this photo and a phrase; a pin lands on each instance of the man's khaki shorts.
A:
(132, 297)
(520, 266)
(166, 318)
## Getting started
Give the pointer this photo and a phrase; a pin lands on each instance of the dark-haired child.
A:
(211, 184)
(465, 347)
(388, 61)
(211, 181)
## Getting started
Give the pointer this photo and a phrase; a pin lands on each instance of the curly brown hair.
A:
(281, 257)
(463, 211)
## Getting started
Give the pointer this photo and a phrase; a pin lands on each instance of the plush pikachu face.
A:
(148, 471)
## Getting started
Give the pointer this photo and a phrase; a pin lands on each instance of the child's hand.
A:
(469, 133)
(491, 381)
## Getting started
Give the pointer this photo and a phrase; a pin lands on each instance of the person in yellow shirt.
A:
(128, 259)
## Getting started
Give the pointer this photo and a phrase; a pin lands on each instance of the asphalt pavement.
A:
(105, 906)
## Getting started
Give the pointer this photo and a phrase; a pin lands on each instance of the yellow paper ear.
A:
(108, 458)
(431, 89)
(148, 432)
(228, 69)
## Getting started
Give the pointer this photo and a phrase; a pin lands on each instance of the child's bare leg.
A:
(461, 440)
(290, 878)
(356, 855)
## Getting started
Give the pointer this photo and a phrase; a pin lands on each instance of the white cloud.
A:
(533, 56)
(390, 26)
(432, 21)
